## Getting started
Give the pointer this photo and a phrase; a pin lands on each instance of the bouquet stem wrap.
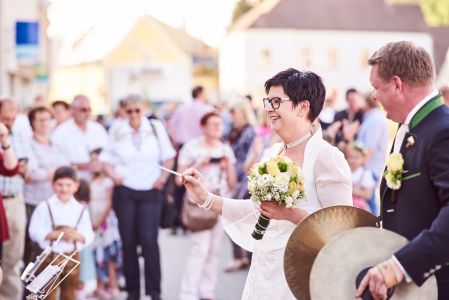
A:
(261, 227)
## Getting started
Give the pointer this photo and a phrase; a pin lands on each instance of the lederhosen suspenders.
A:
(53, 223)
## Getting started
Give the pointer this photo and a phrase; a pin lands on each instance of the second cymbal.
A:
(311, 235)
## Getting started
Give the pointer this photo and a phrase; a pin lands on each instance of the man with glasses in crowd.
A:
(12, 188)
(78, 136)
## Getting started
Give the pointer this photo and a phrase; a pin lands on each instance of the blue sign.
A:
(27, 42)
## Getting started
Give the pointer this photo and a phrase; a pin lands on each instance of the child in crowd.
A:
(88, 273)
(62, 213)
(107, 239)
(363, 182)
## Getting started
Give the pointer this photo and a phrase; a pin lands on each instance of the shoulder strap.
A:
(79, 218)
(51, 215)
(157, 138)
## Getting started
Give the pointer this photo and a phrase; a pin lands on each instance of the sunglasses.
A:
(275, 102)
(130, 111)
(84, 109)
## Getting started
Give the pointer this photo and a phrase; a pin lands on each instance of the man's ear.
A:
(398, 84)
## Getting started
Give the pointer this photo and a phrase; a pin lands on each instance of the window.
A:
(364, 55)
(265, 58)
(305, 58)
(332, 59)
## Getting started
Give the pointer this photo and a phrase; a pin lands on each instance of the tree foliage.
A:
(436, 12)
(241, 7)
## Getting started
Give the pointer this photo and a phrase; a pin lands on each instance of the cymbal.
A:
(336, 267)
(311, 235)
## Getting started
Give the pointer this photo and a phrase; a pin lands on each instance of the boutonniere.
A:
(410, 142)
(394, 175)
(395, 170)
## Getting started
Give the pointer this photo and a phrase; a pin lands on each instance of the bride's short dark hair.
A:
(300, 86)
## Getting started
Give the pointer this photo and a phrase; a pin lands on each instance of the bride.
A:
(294, 101)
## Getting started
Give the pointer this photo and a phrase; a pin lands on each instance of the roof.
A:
(367, 15)
(98, 42)
(360, 15)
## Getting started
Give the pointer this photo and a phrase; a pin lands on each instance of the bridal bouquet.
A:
(278, 179)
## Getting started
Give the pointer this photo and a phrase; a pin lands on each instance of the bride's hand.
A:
(273, 210)
(192, 180)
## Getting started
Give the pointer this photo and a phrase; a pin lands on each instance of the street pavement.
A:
(174, 252)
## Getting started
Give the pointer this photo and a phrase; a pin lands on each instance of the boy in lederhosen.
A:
(62, 213)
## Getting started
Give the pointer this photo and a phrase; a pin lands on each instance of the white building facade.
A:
(332, 38)
(248, 58)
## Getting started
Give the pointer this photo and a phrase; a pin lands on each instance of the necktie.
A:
(400, 135)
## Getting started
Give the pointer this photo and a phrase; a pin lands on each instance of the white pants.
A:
(200, 274)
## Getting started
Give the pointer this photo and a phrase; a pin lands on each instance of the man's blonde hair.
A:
(407, 61)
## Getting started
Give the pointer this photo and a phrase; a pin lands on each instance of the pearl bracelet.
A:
(208, 202)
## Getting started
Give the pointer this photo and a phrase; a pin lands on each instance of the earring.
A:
(300, 115)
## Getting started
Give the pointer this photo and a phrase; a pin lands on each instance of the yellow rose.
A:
(392, 182)
(300, 184)
(291, 187)
(272, 168)
(292, 170)
(395, 162)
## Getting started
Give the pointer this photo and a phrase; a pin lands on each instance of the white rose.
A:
(266, 179)
(251, 185)
(295, 194)
(282, 179)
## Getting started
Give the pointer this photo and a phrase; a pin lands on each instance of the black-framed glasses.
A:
(275, 102)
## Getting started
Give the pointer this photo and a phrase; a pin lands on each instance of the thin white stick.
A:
(169, 171)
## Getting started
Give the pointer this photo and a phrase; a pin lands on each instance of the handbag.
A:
(196, 218)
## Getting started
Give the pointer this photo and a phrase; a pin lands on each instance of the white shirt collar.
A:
(418, 106)
(144, 126)
(55, 200)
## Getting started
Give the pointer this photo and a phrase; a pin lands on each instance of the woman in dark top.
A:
(241, 138)
(9, 166)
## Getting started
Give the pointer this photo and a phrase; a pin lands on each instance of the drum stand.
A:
(48, 278)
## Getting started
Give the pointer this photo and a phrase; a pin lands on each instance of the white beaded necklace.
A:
(301, 139)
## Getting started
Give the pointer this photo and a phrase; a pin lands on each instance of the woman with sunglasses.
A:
(135, 150)
(294, 101)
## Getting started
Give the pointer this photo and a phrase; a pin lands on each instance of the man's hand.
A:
(376, 284)
(378, 279)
